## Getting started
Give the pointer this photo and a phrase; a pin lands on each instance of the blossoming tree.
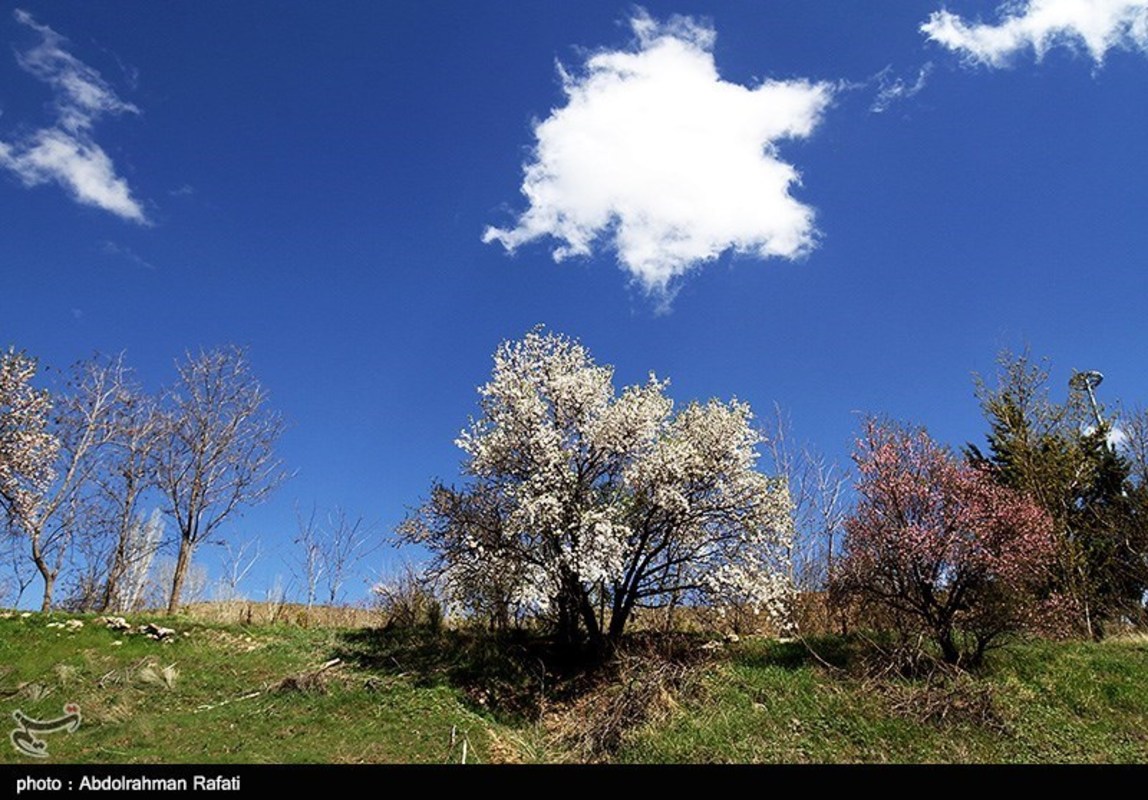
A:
(586, 503)
(936, 547)
(28, 454)
(27, 447)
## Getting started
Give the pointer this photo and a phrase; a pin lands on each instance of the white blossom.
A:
(590, 502)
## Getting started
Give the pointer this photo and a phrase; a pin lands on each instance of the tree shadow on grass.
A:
(508, 674)
(514, 675)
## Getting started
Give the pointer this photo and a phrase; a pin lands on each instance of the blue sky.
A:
(316, 181)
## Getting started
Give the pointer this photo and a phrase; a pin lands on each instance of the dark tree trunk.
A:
(949, 650)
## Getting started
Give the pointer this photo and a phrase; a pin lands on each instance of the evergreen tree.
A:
(1059, 455)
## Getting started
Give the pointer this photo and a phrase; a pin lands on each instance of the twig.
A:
(225, 702)
(454, 742)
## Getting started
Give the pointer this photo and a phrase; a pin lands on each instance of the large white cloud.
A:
(1096, 25)
(657, 157)
(66, 153)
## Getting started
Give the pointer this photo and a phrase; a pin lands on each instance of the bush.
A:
(408, 601)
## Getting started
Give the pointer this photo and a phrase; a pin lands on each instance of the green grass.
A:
(1040, 702)
(207, 715)
(397, 697)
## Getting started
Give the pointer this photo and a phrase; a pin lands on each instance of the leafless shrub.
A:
(408, 600)
(944, 699)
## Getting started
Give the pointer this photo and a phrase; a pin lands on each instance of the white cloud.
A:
(66, 153)
(1097, 25)
(1117, 439)
(893, 90)
(658, 158)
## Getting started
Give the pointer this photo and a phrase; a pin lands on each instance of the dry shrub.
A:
(917, 685)
(639, 686)
(113, 710)
(304, 683)
(408, 600)
(945, 699)
(310, 682)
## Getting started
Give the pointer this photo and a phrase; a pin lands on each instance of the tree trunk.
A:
(181, 563)
(49, 582)
(949, 649)
(619, 619)
(567, 621)
(112, 584)
(46, 573)
(601, 644)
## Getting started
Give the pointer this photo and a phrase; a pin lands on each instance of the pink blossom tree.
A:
(936, 548)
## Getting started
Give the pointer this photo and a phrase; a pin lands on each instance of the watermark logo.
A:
(24, 737)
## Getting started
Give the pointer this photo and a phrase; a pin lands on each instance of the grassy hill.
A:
(275, 694)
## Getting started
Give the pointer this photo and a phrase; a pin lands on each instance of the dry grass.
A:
(247, 612)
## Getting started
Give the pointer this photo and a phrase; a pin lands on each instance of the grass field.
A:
(260, 693)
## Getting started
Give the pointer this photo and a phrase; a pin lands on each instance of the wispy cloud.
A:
(110, 248)
(65, 152)
(1096, 25)
(892, 90)
(658, 158)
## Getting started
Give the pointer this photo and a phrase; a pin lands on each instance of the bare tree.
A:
(1135, 443)
(121, 479)
(330, 550)
(817, 490)
(238, 560)
(308, 565)
(348, 541)
(216, 452)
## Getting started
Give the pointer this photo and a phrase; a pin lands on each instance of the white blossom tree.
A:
(27, 447)
(27, 454)
(143, 543)
(48, 509)
(587, 503)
